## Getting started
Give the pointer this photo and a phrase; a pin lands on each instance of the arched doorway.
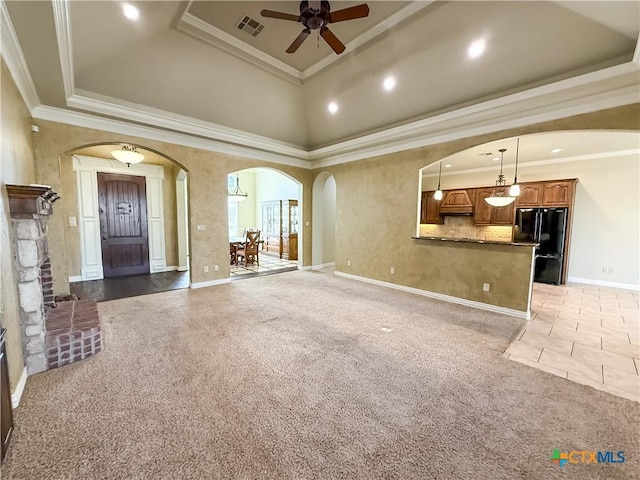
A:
(106, 223)
(273, 205)
(324, 221)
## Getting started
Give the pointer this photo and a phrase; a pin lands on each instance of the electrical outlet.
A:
(486, 287)
(392, 271)
(607, 269)
(306, 224)
(215, 268)
(206, 269)
(348, 263)
(201, 227)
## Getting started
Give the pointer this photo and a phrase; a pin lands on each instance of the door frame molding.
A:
(87, 169)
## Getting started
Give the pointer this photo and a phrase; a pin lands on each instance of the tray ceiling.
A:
(185, 66)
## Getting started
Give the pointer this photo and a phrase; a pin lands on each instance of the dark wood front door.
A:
(123, 224)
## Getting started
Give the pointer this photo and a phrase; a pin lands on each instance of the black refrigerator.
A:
(548, 228)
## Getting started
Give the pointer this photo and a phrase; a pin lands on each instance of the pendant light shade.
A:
(438, 193)
(514, 190)
(128, 154)
(500, 196)
(237, 195)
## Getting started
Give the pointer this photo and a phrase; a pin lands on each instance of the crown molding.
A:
(159, 118)
(636, 52)
(192, 25)
(78, 119)
(196, 27)
(551, 161)
(63, 34)
(17, 64)
(607, 88)
(379, 29)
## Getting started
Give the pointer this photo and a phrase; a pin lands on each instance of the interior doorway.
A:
(122, 207)
(324, 221)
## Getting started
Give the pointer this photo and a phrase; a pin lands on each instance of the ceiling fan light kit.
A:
(316, 15)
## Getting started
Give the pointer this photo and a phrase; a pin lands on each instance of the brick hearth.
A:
(73, 332)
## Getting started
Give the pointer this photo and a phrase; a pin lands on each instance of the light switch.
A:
(201, 227)
(73, 222)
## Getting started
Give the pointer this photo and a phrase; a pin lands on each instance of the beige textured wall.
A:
(207, 194)
(377, 204)
(16, 167)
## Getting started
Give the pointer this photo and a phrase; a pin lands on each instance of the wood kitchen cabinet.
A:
(530, 195)
(485, 214)
(546, 194)
(558, 194)
(430, 209)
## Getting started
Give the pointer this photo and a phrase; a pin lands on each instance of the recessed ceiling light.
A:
(333, 107)
(448, 165)
(476, 48)
(556, 150)
(496, 159)
(131, 12)
(389, 83)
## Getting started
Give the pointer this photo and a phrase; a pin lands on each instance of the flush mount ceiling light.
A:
(438, 193)
(556, 150)
(333, 108)
(448, 165)
(237, 195)
(128, 154)
(389, 84)
(500, 196)
(514, 190)
(476, 48)
(131, 12)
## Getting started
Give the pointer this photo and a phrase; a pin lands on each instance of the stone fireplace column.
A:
(30, 206)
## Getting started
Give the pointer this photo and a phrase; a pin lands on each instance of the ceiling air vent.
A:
(251, 26)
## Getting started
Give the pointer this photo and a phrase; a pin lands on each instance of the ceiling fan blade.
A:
(332, 40)
(298, 41)
(280, 15)
(357, 11)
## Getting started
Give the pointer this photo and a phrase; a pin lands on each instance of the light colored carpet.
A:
(298, 376)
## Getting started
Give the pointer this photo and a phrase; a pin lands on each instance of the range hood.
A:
(456, 202)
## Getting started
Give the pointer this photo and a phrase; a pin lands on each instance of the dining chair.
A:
(249, 251)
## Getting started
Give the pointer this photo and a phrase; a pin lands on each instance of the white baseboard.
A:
(182, 268)
(171, 268)
(17, 394)
(324, 265)
(305, 268)
(600, 283)
(210, 283)
(440, 296)
(75, 279)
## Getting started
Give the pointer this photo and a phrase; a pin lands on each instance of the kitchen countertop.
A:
(472, 240)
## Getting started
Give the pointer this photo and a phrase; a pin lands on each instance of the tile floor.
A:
(586, 334)
(268, 264)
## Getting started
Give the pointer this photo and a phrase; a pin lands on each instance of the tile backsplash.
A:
(463, 227)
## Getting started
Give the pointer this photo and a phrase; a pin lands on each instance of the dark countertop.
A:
(472, 240)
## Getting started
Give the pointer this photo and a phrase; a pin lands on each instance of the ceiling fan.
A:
(316, 15)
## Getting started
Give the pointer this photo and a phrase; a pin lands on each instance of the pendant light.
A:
(438, 193)
(237, 195)
(514, 190)
(500, 196)
(128, 154)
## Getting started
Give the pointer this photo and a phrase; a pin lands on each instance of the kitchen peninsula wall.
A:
(463, 227)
